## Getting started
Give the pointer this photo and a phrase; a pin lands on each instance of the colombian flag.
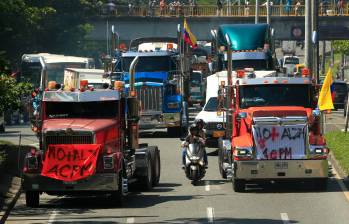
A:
(189, 38)
(325, 97)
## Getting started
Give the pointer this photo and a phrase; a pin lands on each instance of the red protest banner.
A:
(70, 162)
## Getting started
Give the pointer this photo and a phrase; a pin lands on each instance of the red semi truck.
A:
(274, 133)
(88, 144)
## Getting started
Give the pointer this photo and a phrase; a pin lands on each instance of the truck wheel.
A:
(147, 180)
(321, 185)
(117, 197)
(239, 185)
(156, 164)
(220, 165)
(2, 128)
(173, 131)
(32, 199)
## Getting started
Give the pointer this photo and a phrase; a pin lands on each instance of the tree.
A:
(341, 46)
(11, 92)
(54, 26)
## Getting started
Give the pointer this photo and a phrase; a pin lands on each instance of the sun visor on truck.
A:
(244, 36)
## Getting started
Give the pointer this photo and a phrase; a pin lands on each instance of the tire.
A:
(195, 176)
(32, 199)
(321, 185)
(343, 113)
(174, 131)
(220, 165)
(239, 185)
(156, 164)
(146, 182)
(117, 197)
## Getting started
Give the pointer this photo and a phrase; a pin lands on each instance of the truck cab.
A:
(289, 63)
(275, 137)
(157, 82)
(196, 88)
(89, 145)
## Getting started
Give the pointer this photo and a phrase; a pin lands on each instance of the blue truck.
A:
(157, 82)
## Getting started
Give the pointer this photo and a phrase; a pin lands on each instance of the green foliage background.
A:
(12, 92)
(54, 26)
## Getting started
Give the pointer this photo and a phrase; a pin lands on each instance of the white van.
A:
(214, 124)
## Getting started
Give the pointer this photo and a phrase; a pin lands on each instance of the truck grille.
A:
(274, 142)
(150, 98)
(214, 126)
(68, 139)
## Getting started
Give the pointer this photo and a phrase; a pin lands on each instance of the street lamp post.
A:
(108, 9)
(256, 19)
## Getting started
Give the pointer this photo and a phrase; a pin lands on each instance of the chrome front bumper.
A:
(280, 169)
(164, 120)
(97, 182)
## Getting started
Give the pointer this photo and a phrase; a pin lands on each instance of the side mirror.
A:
(316, 113)
(242, 115)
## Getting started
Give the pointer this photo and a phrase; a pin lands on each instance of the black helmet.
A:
(193, 129)
(199, 122)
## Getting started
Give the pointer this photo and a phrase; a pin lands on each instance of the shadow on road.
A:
(227, 220)
(155, 134)
(292, 187)
(86, 219)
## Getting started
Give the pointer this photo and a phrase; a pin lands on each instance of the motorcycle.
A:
(194, 161)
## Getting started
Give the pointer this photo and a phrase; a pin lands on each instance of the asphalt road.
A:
(176, 200)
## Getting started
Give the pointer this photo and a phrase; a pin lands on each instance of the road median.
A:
(338, 142)
(11, 163)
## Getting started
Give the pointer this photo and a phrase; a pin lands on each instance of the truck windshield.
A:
(55, 71)
(211, 104)
(256, 64)
(96, 110)
(292, 61)
(150, 64)
(195, 77)
(31, 72)
(275, 95)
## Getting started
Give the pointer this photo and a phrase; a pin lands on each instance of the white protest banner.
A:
(280, 142)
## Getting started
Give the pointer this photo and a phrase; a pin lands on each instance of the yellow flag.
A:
(325, 97)
(188, 36)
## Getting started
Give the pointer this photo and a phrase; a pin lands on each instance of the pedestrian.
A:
(288, 7)
(162, 7)
(130, 9)
(296, 8)
(340, 7)
(191, 7)
(219, 7)
(247, 8)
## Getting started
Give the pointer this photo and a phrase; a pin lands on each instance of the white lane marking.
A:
(130, 220)
(340, 183)
(210, 214)
(284, 218)
(52, 217)
(207, 186)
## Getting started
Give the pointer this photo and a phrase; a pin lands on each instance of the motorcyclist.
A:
(200, 125)
(195, 132)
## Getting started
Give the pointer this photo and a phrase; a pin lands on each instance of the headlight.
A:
(243, 153)
(173, 105)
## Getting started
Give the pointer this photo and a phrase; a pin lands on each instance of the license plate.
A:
(70, 182)
(281, 165)
(218, 134)
(146, 119)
